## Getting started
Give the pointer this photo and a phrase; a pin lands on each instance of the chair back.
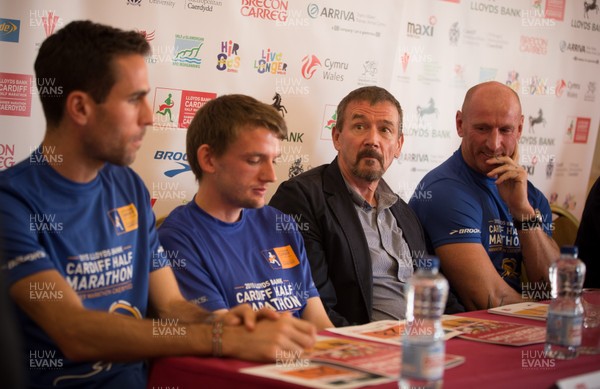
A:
(565, 226)
(160, 221)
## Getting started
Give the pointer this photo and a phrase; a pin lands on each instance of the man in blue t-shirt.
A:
(481, 214)
(229, 246)
(78, 247)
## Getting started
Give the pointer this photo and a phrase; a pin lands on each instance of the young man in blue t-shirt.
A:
(78, 246)
(236, 249)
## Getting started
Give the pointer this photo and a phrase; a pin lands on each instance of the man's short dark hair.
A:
(80, 56)
(218, 123)
(372, 94)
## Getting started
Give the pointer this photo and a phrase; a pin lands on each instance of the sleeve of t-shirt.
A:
(185, 255)
(21, 252)
(147, 221)
(159, 257)
(450, 214)
(305, 265)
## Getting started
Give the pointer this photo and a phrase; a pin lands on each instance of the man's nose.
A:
(268, 172)
(372, 137)
(494, 140)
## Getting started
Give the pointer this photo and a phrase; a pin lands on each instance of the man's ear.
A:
(206, 159)
(520, 128)
(400, 143)
(335, 136)
(459, 123)
(79, 107)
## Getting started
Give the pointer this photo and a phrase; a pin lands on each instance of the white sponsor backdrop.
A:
(312, 53)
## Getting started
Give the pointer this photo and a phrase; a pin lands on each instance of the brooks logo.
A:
(466, 231)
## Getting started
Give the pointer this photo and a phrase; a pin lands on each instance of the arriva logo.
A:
(173, 156)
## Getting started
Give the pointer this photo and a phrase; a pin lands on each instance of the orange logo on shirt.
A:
(281, 257)
(125, 218)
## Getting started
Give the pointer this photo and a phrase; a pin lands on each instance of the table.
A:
(486, 366)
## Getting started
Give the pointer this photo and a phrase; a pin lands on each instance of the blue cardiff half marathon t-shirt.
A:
(456, 204)
(99, 236)
(259, 260)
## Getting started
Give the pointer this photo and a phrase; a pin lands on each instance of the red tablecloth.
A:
(486, 366)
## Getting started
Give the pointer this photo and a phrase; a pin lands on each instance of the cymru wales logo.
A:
(310, 64)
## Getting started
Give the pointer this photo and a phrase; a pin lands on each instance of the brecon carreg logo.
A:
(276, 10)
(533, 44)
(9, 30)
(7, 155)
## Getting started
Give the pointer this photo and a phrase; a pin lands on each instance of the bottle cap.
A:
(570, 250)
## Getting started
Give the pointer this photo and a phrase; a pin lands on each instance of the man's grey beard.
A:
(369, 175)
(364, 174)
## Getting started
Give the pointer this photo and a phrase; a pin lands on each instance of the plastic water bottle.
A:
(423, 346)
(565, 313)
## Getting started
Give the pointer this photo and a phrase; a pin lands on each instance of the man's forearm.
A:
(509, 296)
(92, 335)
(539, 251)
(186, 312)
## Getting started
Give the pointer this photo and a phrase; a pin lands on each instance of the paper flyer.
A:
(336, 362)
(384, 331)
(531, 310)
(492, 331)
